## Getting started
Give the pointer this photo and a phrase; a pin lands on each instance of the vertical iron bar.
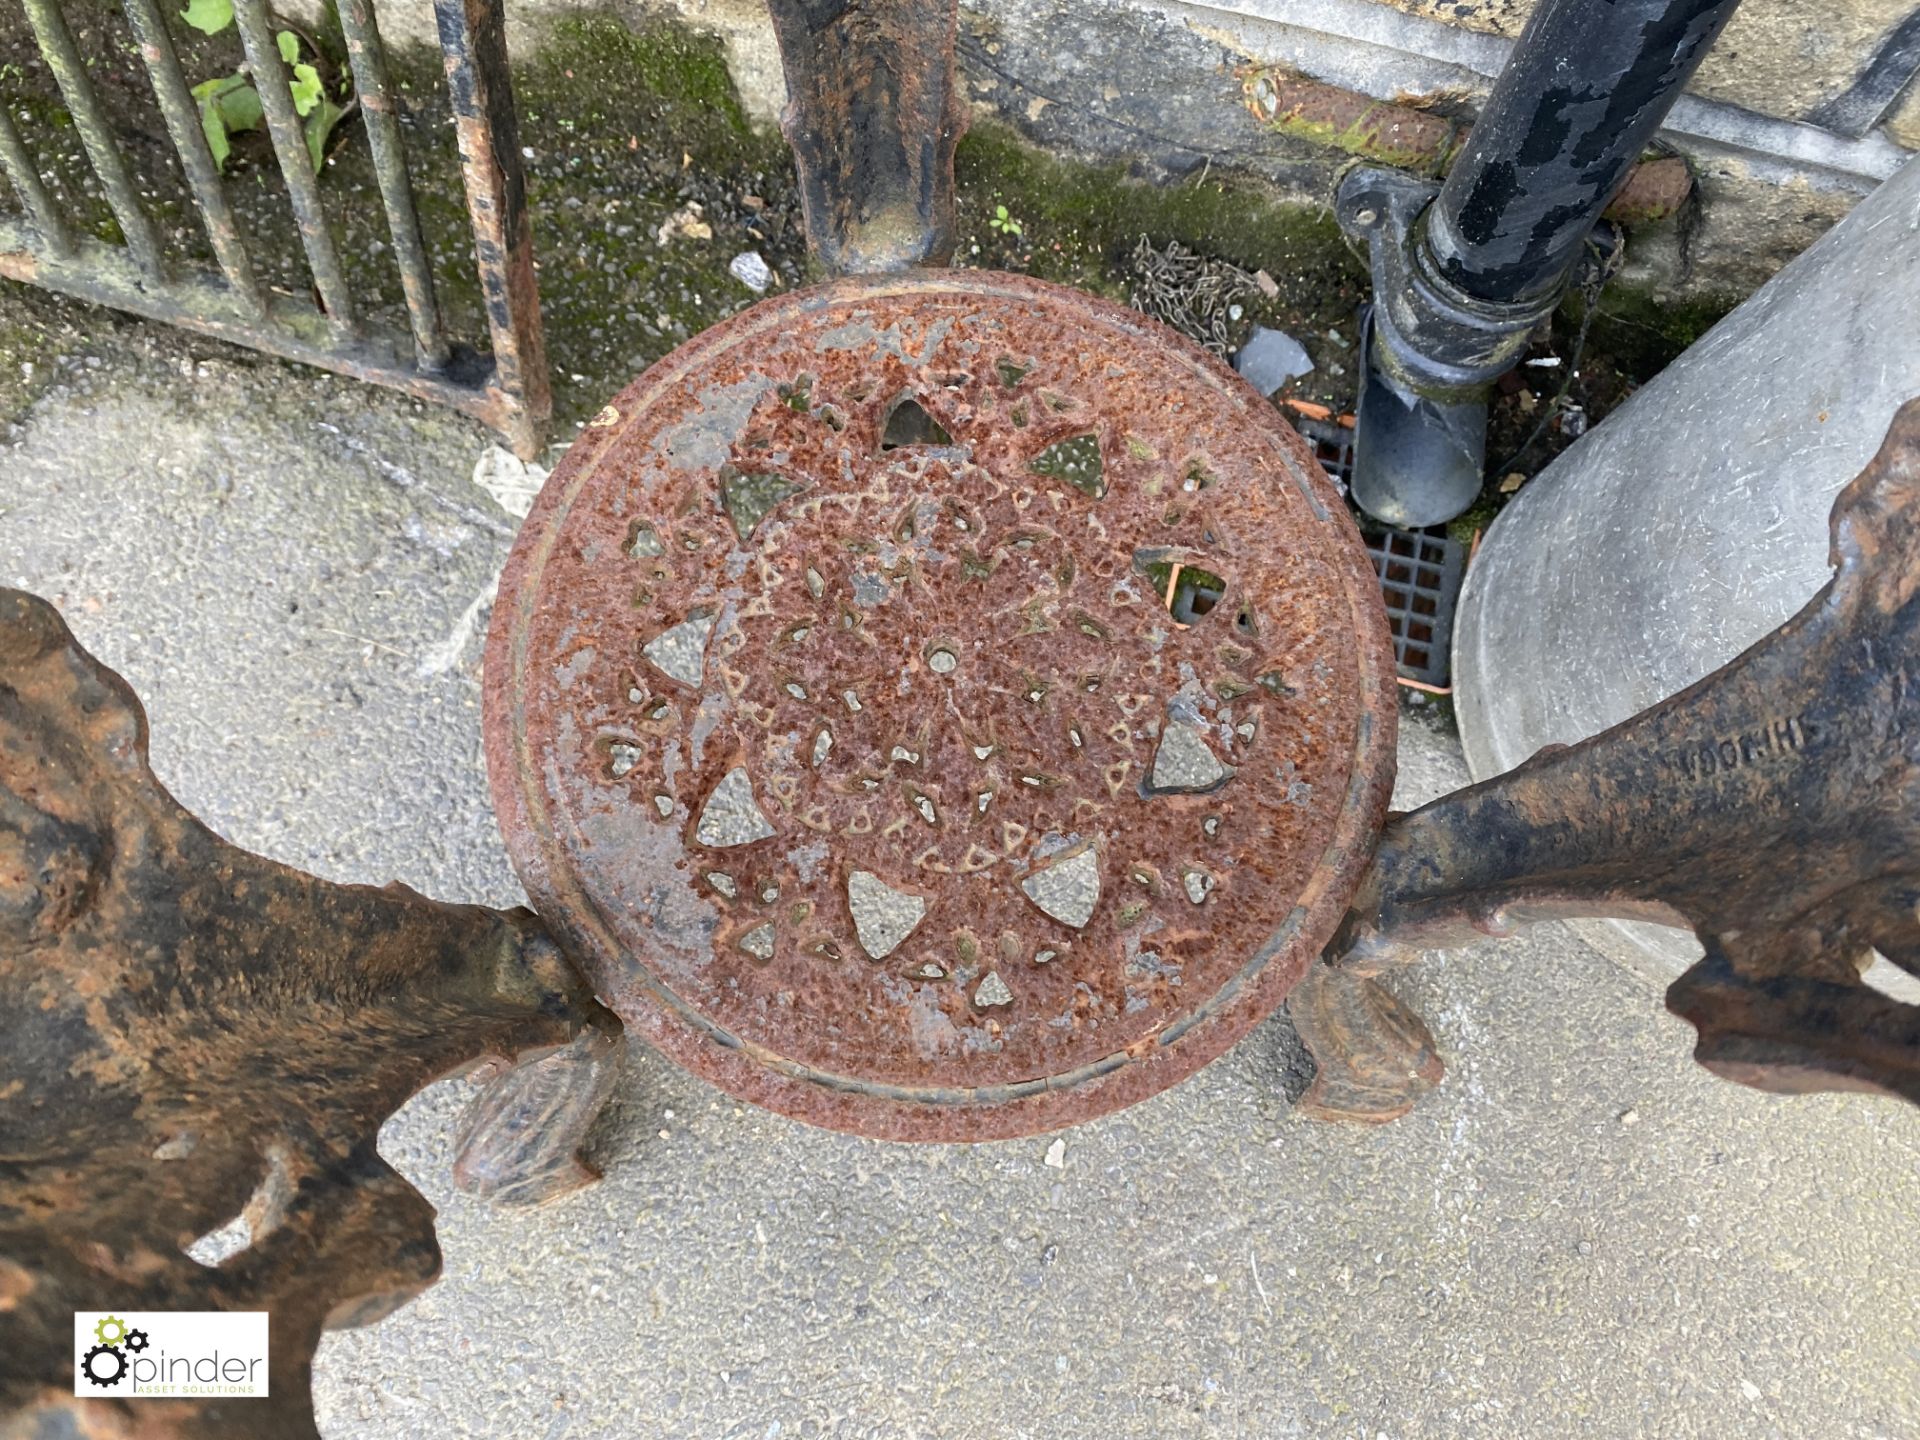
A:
(189, 139)
(70, 73)
(473, 44)
(369, 61)
(271, 80)
(24, 175)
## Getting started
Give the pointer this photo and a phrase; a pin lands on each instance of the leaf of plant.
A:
(319, 127)
(288, 42)
(208, 16)
(307, 90)
(215, 129)
(240, 106)
(216, 87)
(223, 102)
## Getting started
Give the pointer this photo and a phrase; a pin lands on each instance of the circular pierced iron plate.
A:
(839, 716)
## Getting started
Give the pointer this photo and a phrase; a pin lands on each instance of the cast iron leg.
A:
(521, 1138)
(874, 114)
(190, 1034)
(1373, 1056)
(1774, 807)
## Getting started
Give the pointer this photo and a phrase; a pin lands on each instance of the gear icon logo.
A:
(104, 1365)
(111, 1359)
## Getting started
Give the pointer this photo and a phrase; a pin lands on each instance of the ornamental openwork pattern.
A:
(906, 720)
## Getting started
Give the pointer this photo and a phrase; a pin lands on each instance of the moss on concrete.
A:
(1643, 332)
(1079, 220)
(629, 127)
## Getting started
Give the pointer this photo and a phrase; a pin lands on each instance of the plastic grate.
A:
(1420, 570)
(1420, 573)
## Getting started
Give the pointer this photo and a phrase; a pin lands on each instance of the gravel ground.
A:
(1579, 1233)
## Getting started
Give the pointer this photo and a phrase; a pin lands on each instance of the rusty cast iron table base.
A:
(1773, 808)
(190, 1034)
(938, 705)
(193, 1034)
(943, 706)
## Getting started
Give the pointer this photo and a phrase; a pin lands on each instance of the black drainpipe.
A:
(1462, 278)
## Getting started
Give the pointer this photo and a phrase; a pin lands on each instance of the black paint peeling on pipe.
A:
(1588, 83)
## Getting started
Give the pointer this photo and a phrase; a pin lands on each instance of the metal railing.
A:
(505, 388)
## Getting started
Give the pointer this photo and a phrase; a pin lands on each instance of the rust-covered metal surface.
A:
(874, 113)
(839, 716)
(1373, 1055)
(1773, 807)
(190, 1034)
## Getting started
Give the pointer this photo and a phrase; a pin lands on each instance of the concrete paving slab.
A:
(1579, 1233)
